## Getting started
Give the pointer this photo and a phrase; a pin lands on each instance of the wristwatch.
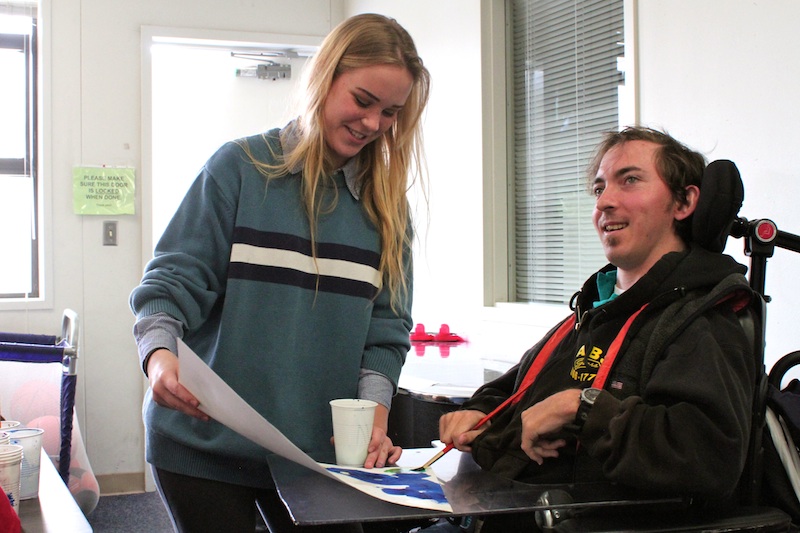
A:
(588, 397)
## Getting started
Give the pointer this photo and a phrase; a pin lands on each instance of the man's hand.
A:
(456, 427)
(162, 371)
(547, 417)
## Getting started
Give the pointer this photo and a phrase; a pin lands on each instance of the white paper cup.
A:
(5, 424)
(31, 441)
(3, 438)
(352, 430)
(10, 466)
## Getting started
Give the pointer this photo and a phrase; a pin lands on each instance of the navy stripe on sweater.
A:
(286, 259)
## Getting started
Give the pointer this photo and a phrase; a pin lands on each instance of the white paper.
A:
(224, 405)
(221, 403)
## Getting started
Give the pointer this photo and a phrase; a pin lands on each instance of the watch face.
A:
(590, 395)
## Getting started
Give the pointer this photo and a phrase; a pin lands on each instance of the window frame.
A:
(40, 297)
(498, 160)
(27, 165)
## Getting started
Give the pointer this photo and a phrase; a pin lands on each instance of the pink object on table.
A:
(444, 335)
(420, 335)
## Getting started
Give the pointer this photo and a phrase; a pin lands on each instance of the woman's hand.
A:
(162, 372)
(381, 451)
(456, 427)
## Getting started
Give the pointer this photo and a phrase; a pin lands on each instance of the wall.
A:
(449, 249)
(720, 75)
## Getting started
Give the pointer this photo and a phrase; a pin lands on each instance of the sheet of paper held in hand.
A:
(223, 404)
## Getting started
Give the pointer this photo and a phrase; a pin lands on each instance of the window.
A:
(19, 240)
(565, 77)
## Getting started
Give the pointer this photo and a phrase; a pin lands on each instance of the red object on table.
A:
(420, 335)
(444, 335)
(9, 520)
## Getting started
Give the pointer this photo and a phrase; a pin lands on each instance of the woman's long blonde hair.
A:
(386, 164)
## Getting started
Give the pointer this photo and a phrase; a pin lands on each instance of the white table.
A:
(55, 509)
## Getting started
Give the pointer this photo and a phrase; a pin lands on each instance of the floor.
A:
(130, 513)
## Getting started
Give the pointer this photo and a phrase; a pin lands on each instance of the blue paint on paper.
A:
(399, 482)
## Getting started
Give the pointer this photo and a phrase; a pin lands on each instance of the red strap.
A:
(555, 339)
(739, 301)
(543, 356)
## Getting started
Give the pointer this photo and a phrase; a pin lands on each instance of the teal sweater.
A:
(235, 267)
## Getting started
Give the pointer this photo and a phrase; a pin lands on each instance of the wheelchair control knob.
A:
(766, 230)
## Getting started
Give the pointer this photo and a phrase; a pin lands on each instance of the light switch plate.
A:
(110, 233)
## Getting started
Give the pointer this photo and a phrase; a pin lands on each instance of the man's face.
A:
(635, 211)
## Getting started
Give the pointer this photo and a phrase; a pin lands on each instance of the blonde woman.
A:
(287, 269)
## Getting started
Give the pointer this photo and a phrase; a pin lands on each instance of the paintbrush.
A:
(450, 446)
(434, 458)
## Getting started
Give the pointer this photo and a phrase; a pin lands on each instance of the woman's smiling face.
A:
(362, 105)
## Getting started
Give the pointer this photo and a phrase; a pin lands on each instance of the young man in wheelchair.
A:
(649, 383)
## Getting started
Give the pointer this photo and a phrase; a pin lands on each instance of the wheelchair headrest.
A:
(721, 195)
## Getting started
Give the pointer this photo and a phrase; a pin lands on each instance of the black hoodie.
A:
(675, 413)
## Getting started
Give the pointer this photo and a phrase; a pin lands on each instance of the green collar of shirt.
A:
(606, 282)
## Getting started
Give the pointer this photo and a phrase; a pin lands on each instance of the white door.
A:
(201, 95)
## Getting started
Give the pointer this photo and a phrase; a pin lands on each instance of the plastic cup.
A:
(31, 441)
(10, 469)
(3, 438)
(352, 429)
